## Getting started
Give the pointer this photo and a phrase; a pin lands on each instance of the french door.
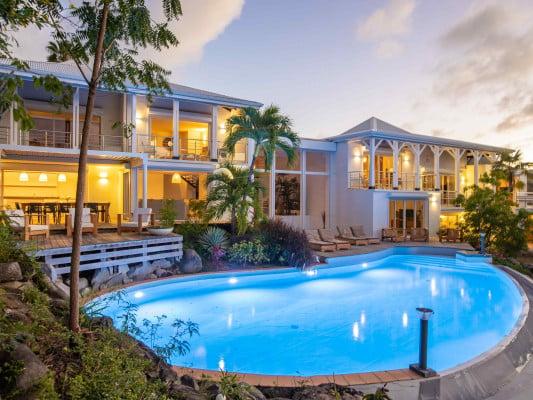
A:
(407, 213)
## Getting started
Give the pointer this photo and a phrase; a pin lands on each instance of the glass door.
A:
(407, 214)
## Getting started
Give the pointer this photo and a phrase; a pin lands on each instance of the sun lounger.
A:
(328, 236)
(316, 243)
(392, 235)
(358, 231)
(346, 234)
(419, 235)
(451, 235)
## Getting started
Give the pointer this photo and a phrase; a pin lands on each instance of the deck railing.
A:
(447, 198)
(524, 200)
(190, 149)
(64, 140)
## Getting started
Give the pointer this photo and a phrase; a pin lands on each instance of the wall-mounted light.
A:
(61, 178)
(24, 177)
(43, 177)
(176, 178)
(103, 177)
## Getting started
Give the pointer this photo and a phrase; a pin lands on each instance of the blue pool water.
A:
(344, 319)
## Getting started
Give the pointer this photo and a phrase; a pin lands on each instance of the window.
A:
(407, 214)
(316, 161)
(282, 163)
(287, 194)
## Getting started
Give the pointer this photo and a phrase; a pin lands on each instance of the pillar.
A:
(395, 164)
(272, 197)
(213, 146)
(175, 129)
(129, 119)
(134, 198)
(457, 160)
(436, 166)
(145, 185)
(371, 166)
(476, 167)
(417, 152)
(303, 190)
(75, 125)
(13, 125)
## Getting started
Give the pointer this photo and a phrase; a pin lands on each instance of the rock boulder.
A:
(191, 262)
(10, 272)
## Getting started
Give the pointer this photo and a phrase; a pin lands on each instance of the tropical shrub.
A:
(215, 242)
(490, 210)
(168, 214)
(248, 252)
(284, 244)
(191, 232)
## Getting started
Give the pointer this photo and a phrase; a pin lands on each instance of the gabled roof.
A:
(68, 72)
(375, 127)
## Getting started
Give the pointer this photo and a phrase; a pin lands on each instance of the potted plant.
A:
(167, 218)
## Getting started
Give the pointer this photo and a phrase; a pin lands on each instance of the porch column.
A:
(436, 166)
(416, 151)
(134, 198)
(457, 165)
(75, 125)
(395, 165)
(250, 148)
(476, 167)
(272, 199)
(175, 129)
(371, 166)
(213, 146)
(129, 119)
(13, 125)
(303, 190)
(145, 185)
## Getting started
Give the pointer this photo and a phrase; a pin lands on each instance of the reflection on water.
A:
(351, 318)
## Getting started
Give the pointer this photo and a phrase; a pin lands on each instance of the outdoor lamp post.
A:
(422, 368)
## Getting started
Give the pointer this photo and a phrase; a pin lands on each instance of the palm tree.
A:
(230, 192)
(506, 166)
(269, 131)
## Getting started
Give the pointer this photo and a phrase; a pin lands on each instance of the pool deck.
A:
(367, 378)
(371, 248)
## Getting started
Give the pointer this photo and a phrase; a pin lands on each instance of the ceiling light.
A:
(43, 177)
(23, 177)
(176, 178)
(61, 178)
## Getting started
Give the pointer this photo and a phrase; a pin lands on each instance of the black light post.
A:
(422, 367)
(482, 236)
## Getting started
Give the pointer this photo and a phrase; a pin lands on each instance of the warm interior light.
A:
(43, 177)
(61, 178)
(176, 178)
(23, 177)
(103, 174)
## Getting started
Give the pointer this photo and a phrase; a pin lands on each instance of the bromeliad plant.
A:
(215, 242)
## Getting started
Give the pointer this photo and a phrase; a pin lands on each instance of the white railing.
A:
(108, 142)
(447, 198)
(524, 199)
(46, 138)
(190, 149)
(239, 156)
(357, 180)
(4, 135)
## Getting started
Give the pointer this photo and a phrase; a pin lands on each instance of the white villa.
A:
(375, 174)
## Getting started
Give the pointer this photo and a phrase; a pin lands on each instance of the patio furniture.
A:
(419, 235)
(358, 231)
(20, 222)
(450, 235)
(328, 236)
(392, 235)
(141, 219)
(89, 221)
(346, 234)
(316, 243)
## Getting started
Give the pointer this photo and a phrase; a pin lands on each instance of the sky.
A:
(456, 68)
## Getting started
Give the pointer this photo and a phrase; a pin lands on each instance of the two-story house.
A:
(375, 174)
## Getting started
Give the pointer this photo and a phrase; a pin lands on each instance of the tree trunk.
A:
(74, 317)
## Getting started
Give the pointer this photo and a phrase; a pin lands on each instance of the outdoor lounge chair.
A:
(451, 235)
(358, 231)
(328, 236)
(419, 235)
(141, 219)
(316, 243)
(392, 235)
(89, 221)
(346, 234)
(20, 223)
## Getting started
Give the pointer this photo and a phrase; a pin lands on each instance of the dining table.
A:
(38, 211)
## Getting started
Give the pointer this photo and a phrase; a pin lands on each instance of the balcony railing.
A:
(63, 140)
(190, 149)
(383, 180)
(524, 200)
(240, 155)
(357, 180)
(447, 198)
(108, 142)
(4, 135)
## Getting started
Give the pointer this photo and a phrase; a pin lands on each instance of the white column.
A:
(476, 167)
(213, 147)
(145, 184)
(272, 197)
(250, 147)
(436, 165)
(416, 151)
(75, 125)
(303, 190)
(371, 166)
(175, 129)
(457, 160)
(129, 118)
(395, 165)
(134, 198)
(13, 125)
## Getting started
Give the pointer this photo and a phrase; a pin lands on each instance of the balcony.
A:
(525, 200)
(4, 135)
(240, 156)
(190, 149)
(383, 180)
(447, 198)
(63, 140)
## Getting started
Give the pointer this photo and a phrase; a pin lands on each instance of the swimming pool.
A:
(342, 319)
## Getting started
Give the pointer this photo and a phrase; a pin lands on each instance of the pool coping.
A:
(349, 379)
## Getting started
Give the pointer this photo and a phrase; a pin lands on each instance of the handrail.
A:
(64, 140)
(447, 198)
(189, 149)
(524, 199)
(239, 156)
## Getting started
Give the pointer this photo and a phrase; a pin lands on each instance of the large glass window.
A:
(407, 214)
(316, 161)
(316, 201)
(282, 162)
(287, 194)
(264, 196)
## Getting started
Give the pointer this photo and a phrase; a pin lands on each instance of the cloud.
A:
(386, 25)
(202, 22)
(519, 119)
